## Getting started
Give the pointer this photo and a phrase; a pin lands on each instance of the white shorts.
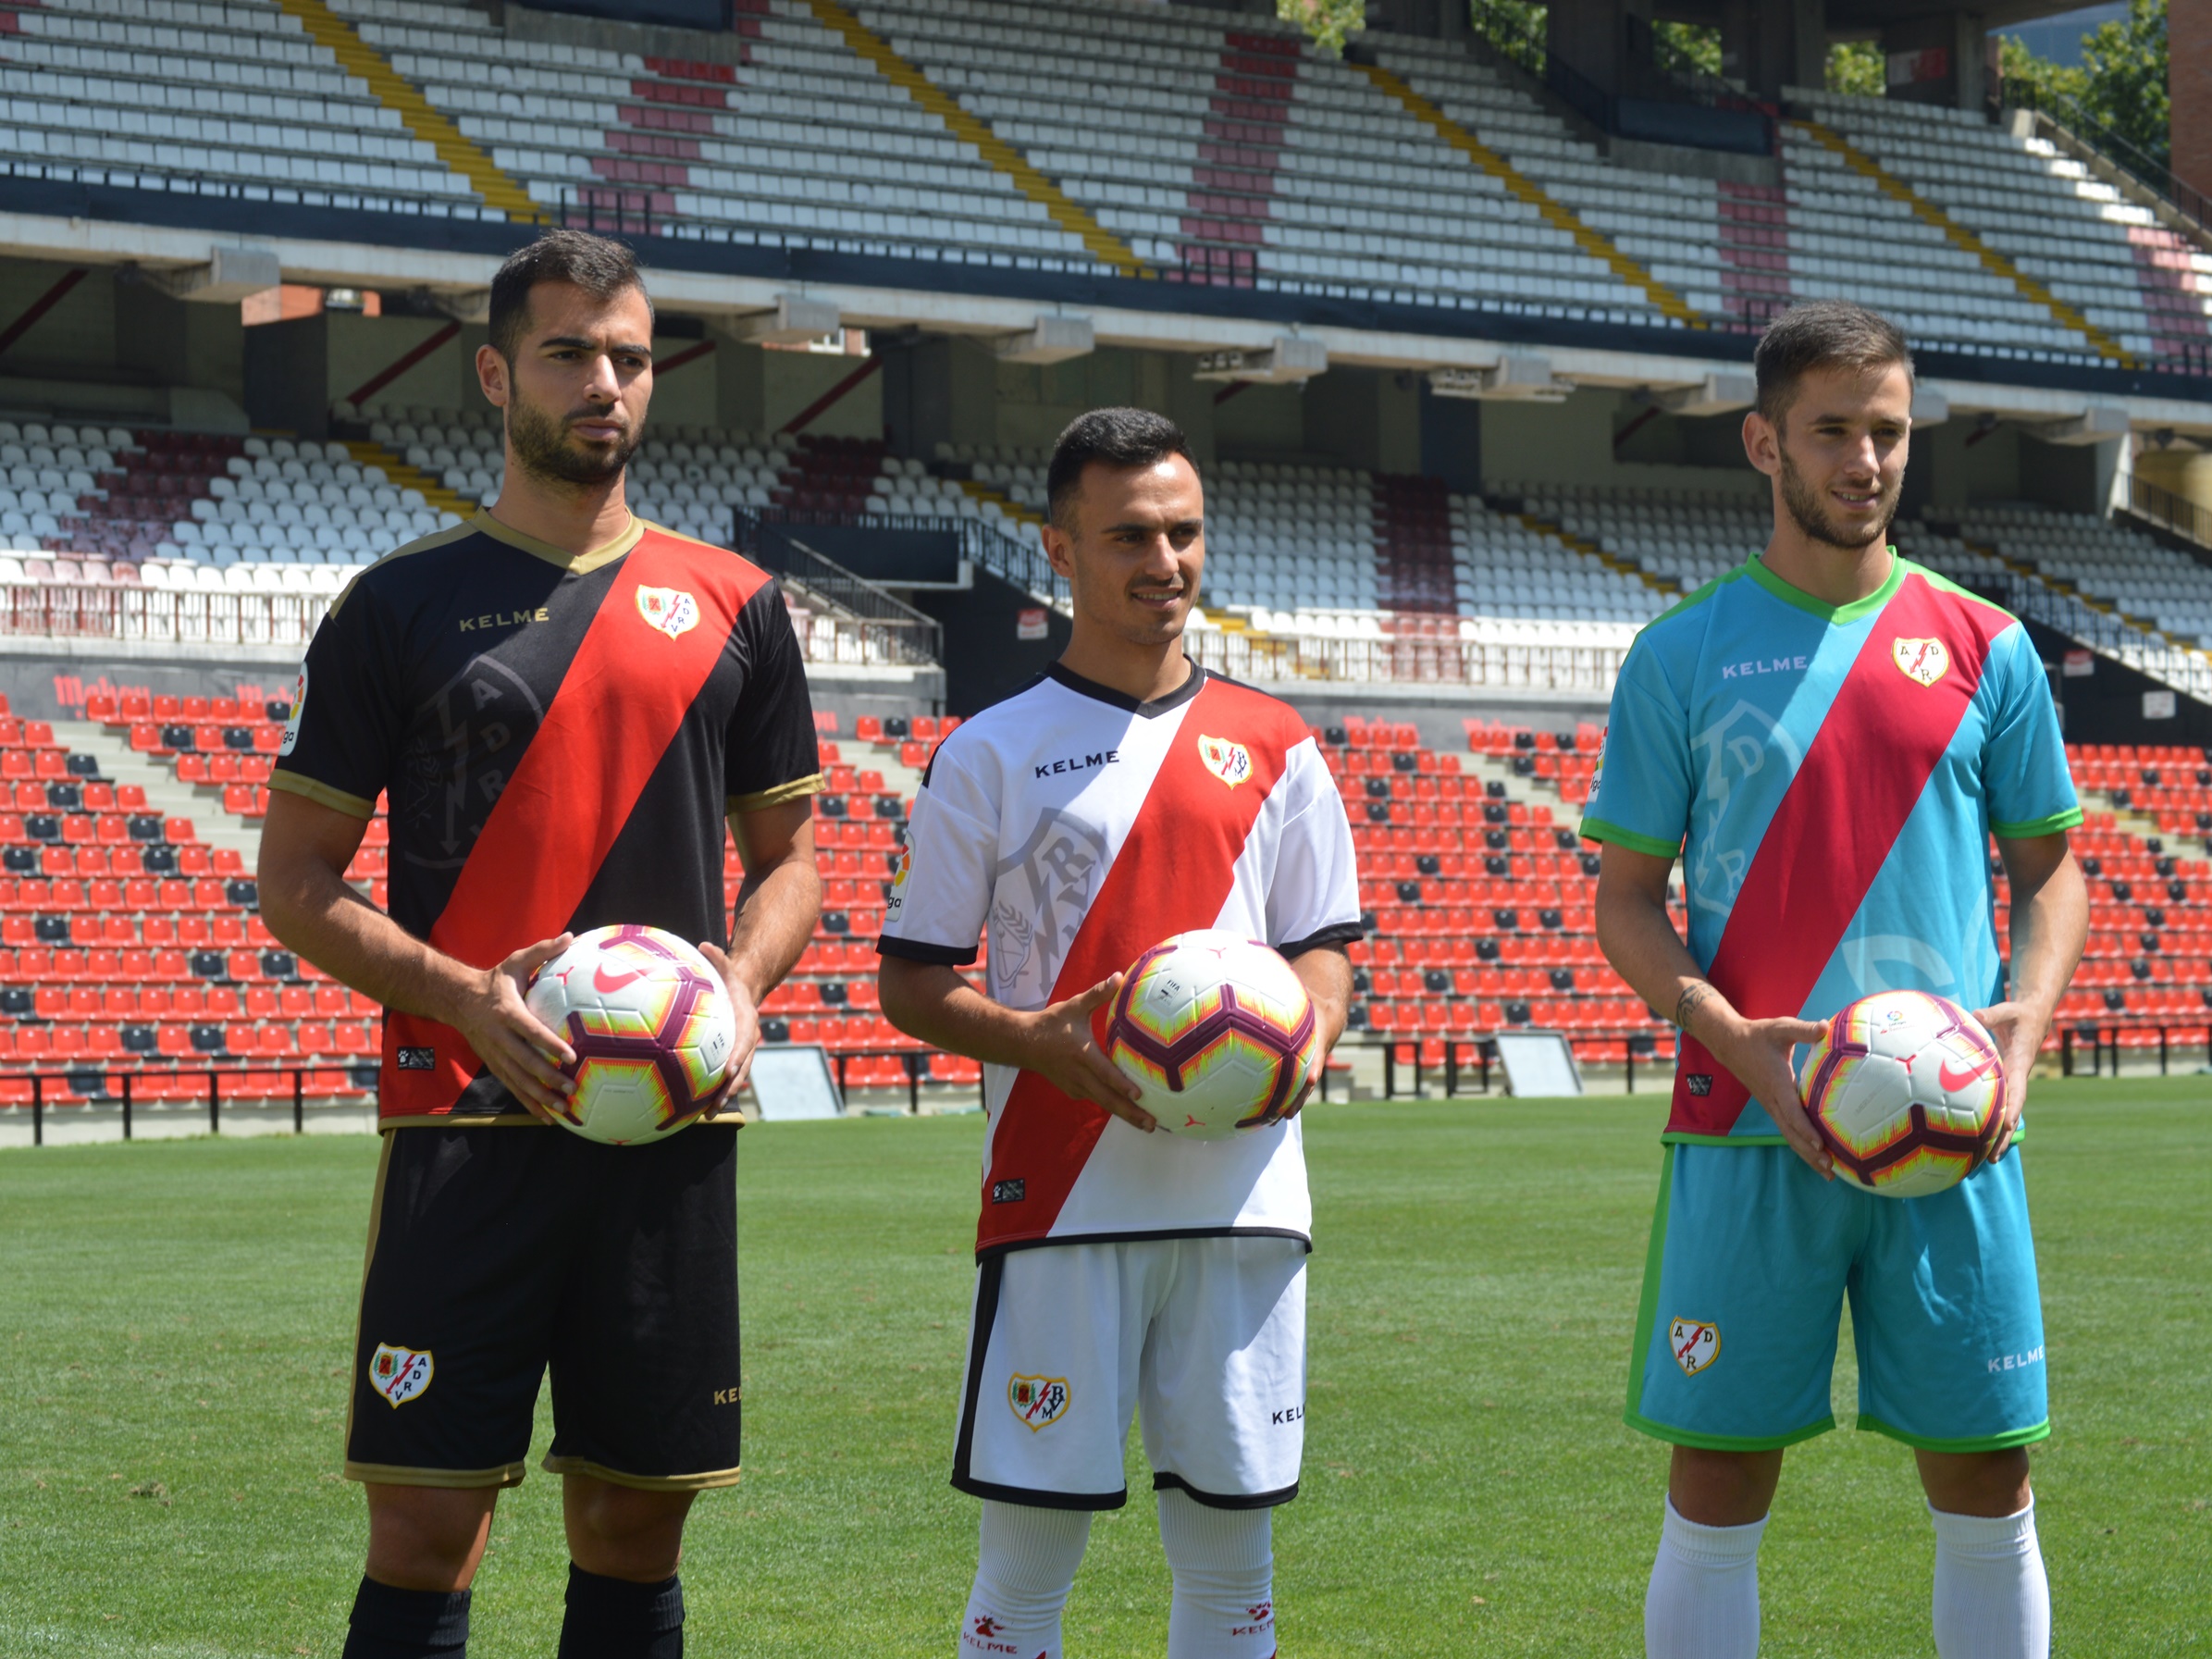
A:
(1206, 1337)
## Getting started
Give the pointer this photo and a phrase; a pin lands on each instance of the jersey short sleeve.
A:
(941, 892)
(771, 754)
(1641, 800)
(2030, 789)
(1314, 897)
(347, 717)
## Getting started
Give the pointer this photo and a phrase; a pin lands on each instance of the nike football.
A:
(1216, 1030)
(1907, 1091)
(651, 1026)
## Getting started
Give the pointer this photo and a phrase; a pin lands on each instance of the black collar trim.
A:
(1121, 700)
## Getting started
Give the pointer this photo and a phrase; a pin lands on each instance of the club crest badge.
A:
(1925, 660)
(398, 1374)
(1696, 1344)
(671, 609)
(1038, 1401)
(1231, 762)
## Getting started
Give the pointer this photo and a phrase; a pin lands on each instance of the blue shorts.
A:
(1752, 1255)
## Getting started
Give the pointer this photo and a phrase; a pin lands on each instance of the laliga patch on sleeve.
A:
(418, 1060)
(1701, 1082)
(299, 704)
(1009, 1192)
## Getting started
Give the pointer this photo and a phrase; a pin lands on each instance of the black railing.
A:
(96, 1084)
(911, 635)
(2068, 612)
(2083, 128)
(2177, 513)
(362, 199)
(1476, 1054)
(995, 551)
(916, 1062)
(2102, 1040)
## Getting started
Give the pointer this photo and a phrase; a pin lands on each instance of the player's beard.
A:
(1811, 514)
(543, 448)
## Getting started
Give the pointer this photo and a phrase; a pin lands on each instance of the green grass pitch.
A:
(176, 1323)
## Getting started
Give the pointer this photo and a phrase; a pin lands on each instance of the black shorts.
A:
(495, 1252)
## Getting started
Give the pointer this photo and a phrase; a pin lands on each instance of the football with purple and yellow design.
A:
(1907, 1091)
(652, 1029)
(1217, 1031)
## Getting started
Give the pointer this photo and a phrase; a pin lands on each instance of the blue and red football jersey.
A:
(1831, 778)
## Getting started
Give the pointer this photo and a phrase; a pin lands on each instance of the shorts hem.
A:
(1213, 1500)
(984, 1250)
(1036, 1499)
(599, 1471)
(1725, 1442)
(393, 1474)
(2005, 1441)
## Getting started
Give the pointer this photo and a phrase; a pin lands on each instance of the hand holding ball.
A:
(1216, 1031)
(652, 1029)
(1907, 1092)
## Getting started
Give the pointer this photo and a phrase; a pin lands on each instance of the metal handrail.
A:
(70, 1077)
(1407, 660)
(1012, 561)
(2177, 513)
(2148, 171)
(817, 575)
(2109, 635)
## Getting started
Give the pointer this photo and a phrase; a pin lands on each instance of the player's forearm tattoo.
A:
(1694, 994)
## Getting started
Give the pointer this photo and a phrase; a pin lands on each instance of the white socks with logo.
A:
(1024, 1570)
(1224, 1565)
(1991, 1599)
(1703, 1602)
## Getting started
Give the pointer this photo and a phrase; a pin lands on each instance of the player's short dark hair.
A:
(601, 267)
(1819, 334)
(1118, 437)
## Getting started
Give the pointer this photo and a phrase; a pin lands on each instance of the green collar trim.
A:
(1833, 614)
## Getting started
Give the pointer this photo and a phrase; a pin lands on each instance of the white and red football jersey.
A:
(1081, 828)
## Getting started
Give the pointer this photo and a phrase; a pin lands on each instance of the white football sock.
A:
(1224, 1565)
(1703, 1602)
(1991, 1599)
(1023, 1571)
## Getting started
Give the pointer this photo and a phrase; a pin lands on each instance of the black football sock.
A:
(407, 1624)
(612, 1618)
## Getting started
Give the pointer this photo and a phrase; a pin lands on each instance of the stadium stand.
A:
(1477, 890)
(2049, 255)
(176, 95)
(1205, 153)
(1237, 154)
(1480, 895)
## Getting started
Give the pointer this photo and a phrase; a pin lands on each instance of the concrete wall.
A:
(757, 390)
(118, 348)
(1572, 443)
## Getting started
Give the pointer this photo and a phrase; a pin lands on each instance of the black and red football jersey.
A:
(558, 737)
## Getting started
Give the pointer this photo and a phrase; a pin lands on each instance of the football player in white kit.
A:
(1125, 795)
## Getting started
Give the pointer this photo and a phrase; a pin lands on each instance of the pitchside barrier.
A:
(1459, 1059)
(1456, 1057)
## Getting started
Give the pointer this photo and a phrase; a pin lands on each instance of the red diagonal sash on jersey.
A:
(618, 708)
(1842, 813)
(1172, 875)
